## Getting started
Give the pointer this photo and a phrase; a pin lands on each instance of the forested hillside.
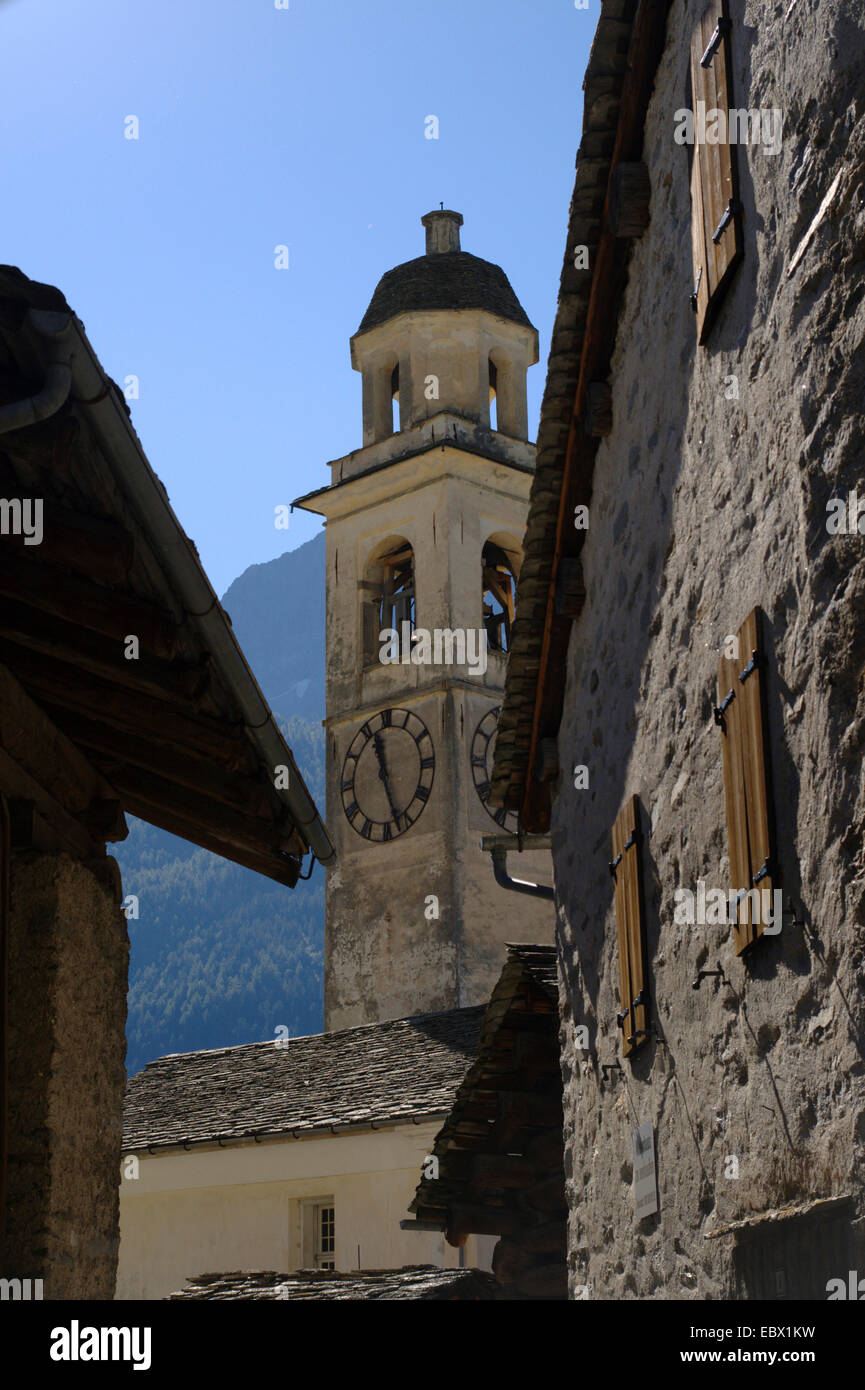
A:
(221, 955)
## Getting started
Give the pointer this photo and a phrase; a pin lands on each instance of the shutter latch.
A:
(719, 709)
(732, 208)
(750, 668)
(721, 28)
(696, 290)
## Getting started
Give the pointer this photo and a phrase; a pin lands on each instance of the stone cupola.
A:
(444, 332)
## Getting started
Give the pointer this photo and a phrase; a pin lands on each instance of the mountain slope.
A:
(221, 955)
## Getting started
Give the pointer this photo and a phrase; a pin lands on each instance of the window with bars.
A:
(389, 600)
(498, 596)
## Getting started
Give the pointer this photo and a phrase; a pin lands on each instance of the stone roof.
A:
(525, 999)
(404, 1070)
(453, 280)
(536, 658)
(412, 1282)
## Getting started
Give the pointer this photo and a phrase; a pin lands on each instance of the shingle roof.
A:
(413, 1282)
(535, 658)
(525, 996)
(405, 1069)
(453, 280)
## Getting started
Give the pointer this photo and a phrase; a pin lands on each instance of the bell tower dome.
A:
(444, 332)
(424, 529)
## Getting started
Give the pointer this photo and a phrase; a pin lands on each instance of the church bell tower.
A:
(424, 526)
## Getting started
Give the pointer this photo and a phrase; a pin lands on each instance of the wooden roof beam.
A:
(63, 686)
(282, 868)
(60, 639)
(243, 830)
(111, 612)
(111, 749)
(53, 773)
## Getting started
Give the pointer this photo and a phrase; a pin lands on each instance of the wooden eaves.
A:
(619, 78)
(180, 735)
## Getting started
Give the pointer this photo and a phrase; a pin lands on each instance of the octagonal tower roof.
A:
(444, 278)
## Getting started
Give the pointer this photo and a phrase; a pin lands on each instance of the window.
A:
(493, 389)
(324, 1237)
(716, 215)
(394, 392)
(741, 716)
(389, 599)
(498, 596)
(319, 1234)
(630, 927)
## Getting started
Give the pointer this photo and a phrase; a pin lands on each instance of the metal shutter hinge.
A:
(719, 709)
(614, 863)
(696, 290)
(722, 28)
(732, 208)
(751, 667)
(762, 873)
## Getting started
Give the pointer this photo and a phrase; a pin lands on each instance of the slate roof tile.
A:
(406, 1068)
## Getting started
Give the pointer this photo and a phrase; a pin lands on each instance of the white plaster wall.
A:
(239, 1208)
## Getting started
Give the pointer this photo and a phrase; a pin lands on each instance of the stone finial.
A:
(442, 231)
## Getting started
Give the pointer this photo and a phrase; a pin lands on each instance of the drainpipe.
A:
(19, 414)
(98, 399)
(499, 846)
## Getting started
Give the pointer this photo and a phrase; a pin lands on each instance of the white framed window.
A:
(319, 1234)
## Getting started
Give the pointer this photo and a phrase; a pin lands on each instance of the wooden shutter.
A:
(717, 250)
(625, 869)
(741, 716)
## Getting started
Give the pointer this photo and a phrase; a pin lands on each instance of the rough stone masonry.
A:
(710, 498)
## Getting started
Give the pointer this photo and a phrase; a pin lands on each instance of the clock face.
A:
(483, 752)
(387, 775)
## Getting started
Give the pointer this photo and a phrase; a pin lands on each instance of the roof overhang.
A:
(618, 84)
(180, 731)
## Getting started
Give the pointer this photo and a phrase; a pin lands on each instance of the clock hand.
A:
(378, 745)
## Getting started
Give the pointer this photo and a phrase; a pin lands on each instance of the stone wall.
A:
(68, 956)
(707, 504)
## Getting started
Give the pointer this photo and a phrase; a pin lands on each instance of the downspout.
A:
(97, 397)
(498, 847)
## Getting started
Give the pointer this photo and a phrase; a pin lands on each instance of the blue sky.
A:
(260, 127)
